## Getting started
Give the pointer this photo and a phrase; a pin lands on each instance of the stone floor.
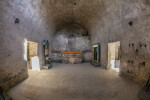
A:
(75, 82)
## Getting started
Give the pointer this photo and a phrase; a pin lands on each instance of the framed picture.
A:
(96, 53)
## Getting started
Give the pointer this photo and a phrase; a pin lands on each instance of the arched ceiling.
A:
(85, 13)
(82, 12)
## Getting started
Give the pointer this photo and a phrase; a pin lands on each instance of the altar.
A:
(73, 57)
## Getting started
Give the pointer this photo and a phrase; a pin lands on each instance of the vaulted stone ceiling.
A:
(82, 12)
(86, 13)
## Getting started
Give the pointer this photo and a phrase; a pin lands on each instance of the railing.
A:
(71, 52)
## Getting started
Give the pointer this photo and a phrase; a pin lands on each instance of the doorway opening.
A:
(31, 56)
(114, 56)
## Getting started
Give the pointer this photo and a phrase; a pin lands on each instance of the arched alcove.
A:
(71, 38)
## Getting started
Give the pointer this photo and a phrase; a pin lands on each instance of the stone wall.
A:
(33, 25)
(127, 22)
(71, 37)
(136, 38)
(72, 58)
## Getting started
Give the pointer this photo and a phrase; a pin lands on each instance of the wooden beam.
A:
(71, 52)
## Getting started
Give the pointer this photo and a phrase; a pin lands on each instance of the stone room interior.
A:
(74, 49)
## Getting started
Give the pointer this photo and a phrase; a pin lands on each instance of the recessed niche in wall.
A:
(143, 63)
(137, 50)
(130, 23)
(16, 21)
(140, 45)
(128, 61)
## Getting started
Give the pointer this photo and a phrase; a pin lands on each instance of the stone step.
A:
(48, 66)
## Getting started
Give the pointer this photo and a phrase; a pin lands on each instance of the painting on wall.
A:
(96, 53)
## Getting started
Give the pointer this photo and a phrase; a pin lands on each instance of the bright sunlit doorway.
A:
(114, 55)
(31, 56)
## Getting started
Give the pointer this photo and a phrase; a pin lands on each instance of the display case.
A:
(96, 55)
